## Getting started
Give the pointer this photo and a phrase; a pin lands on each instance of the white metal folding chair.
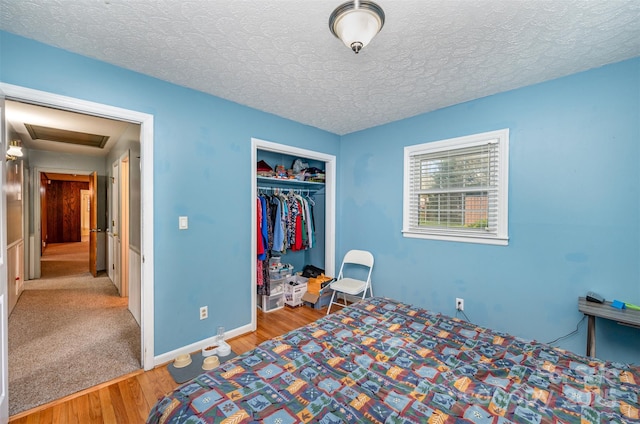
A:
(352, 286)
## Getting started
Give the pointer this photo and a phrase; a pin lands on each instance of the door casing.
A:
(4, 313)
(145, 121)
(330, 208)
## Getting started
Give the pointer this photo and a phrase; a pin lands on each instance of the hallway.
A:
(69, 331)
(64, 259)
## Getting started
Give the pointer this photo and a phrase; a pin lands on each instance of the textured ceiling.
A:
(279, 56)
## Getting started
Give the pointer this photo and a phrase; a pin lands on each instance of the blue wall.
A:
(573, 210)
(209, 180)
(573, 205)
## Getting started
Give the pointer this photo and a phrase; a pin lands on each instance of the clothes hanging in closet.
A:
(283, 222)
(265, 244)
(260, 244)
(293, 221)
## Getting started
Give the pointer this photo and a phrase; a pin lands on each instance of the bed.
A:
(383, 361)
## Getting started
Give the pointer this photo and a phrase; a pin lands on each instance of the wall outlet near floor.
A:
(459, 304)
(204, 312)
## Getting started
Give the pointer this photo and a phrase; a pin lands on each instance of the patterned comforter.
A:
(383, 361)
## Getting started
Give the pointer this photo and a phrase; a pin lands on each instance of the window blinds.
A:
(455, 191)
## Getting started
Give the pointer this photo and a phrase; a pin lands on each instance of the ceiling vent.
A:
(38, 132)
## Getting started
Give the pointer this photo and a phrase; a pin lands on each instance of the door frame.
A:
(4, 313)
(145, 120)
(330, 208)
(36, 175)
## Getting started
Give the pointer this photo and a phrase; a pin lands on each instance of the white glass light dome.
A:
(356, 24)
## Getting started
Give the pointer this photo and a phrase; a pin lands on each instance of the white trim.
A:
(146, 187)
(4, 314)
(466, 239)
(330, 207)
(197, 346)
(502, 236)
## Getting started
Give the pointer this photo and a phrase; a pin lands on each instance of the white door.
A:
(123, 189)
(4, 362)
(115, 224)
(93, 223)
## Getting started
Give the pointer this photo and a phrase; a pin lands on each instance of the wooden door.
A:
(93, 224)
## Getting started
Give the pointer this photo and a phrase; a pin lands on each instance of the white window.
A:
(456, 189)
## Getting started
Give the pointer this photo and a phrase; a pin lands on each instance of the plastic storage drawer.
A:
(277, 286)
(272, 303)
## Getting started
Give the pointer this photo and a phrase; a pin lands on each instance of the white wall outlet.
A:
(459, 304)
(183, 222)
(204, 312)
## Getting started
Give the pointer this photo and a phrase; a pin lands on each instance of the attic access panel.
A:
(38, 132)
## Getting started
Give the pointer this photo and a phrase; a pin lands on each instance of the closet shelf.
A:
(282, 183)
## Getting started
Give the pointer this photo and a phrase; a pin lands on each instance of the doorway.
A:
(330, 208)
(65, 279)
(65, 210)
(145, 255)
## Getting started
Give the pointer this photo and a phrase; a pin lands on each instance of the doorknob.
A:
(96, 230)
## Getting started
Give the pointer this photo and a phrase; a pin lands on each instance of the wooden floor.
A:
(130, 398)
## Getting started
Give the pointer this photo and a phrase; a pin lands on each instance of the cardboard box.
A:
(316, 284)
(293, 292)
(317, 301)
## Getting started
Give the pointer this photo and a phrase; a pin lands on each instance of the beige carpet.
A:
(64, 259)
(68, 333)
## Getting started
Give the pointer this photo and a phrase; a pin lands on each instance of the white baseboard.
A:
(194, 347)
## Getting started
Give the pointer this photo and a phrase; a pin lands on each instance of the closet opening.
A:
(312, 193)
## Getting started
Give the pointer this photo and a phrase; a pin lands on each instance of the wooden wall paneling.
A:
(64, 202)
(54, 224)
(71, 200)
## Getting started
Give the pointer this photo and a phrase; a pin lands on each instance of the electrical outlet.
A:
(204, 312)
(459, 304)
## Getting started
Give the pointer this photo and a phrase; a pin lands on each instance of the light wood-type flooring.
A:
(130, 398)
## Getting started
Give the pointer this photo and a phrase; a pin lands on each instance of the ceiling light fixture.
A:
(14, 151)
(356, 23)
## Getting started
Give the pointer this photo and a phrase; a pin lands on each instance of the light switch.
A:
(183, 222)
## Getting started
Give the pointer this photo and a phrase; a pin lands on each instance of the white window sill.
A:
(496, 241)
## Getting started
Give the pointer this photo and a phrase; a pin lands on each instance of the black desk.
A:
(604, 310)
